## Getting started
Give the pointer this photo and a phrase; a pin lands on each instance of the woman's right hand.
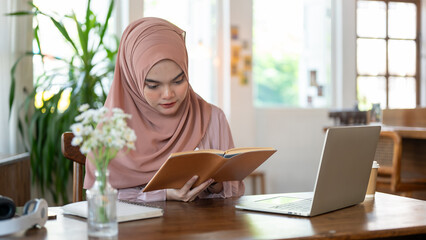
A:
(186, 194)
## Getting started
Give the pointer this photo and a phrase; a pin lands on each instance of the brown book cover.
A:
(232, 165)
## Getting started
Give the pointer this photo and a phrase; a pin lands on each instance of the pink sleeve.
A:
(135, 194)
(218, 136)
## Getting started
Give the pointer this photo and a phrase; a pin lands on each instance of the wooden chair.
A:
(257, 177)
(79, 160)
(388, 155)
(392, 178)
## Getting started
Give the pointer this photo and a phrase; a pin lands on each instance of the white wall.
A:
(242, 116)
(297, 134)
(343, 53)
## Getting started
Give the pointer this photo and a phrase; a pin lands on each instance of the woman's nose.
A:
(168, 92)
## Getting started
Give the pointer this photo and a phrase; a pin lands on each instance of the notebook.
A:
(342, 177)
(125, 211)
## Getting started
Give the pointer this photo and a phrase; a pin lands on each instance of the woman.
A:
(151, 83)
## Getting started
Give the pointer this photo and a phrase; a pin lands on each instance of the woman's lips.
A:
(168, 105)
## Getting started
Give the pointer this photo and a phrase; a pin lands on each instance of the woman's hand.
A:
(186, 194)
(216, 187)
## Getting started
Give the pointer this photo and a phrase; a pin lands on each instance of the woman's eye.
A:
(152, 86)
(179, 81)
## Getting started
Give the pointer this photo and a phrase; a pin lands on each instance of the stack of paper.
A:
(125, 211)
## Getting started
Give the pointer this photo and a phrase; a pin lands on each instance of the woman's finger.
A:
(197, 190)
(189, 184)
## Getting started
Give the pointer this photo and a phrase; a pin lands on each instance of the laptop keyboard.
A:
(300, 206)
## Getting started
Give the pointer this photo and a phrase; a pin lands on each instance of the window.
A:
(199, 19)
(388, 53)
(292, 53)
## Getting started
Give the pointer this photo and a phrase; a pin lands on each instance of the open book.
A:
(125, 211)
(231, 165)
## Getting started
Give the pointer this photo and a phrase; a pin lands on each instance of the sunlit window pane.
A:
(402, 92)
(387, 48)
(371, 58)
(402, 57)
(402, 20)
(371, 90)
(371, 19)
(291, 53)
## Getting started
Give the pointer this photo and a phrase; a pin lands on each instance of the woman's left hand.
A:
(187, 193)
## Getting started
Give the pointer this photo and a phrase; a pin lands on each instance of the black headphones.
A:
(34, 214)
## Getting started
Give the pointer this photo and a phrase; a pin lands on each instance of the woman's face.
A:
(165, 87)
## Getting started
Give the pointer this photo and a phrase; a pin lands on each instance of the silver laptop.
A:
(342, 177)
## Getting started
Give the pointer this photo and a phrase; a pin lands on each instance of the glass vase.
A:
(101, 202)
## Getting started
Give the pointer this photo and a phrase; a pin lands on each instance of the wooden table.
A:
(407, 132)
(386, 216)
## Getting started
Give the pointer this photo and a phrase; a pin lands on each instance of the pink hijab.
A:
(144, 43)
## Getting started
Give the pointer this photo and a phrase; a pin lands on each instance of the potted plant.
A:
(86, 72)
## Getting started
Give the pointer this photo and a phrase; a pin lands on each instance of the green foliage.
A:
(83, 78)
(276, 80)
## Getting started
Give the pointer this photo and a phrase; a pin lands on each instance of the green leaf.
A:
(37, 10)
(105, 25)
(13, 81)
(36, 31)
(64, 32)
(21, 13)
(82, 36)
(88, 14)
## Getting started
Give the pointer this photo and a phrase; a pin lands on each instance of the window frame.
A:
(416, 76)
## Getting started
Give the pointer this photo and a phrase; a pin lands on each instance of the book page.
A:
(234, 151)
(215, 151)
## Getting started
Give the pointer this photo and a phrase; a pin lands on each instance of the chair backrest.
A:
(79, 160)
(388, 155)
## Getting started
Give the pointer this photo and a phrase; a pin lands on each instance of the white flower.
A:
(79, 117)
(102, 132)
(109, 141)
(77, 129)
(131, 145)
(83, 107)
(87, 130)
(76, 141)
(130, 135)
(120, 123)
(117, 111)
(84, 149)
